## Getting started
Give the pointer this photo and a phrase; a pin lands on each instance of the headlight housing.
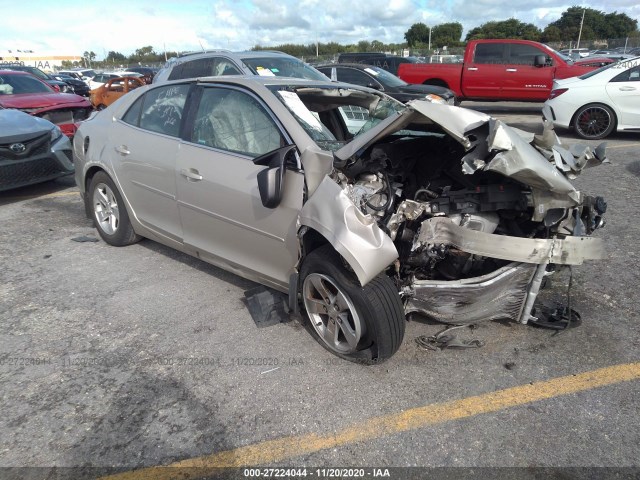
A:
(432, 97)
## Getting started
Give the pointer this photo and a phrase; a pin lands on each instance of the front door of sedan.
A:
(222, 215)
(624, 91)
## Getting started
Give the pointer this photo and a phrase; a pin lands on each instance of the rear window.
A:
(283, 67)
(492, 53)
(204, 67)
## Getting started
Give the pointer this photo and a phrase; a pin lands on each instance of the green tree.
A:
(511, 28)
(417, 33)
(446, 34)
(364, 46)
(377, 46)
(596, 25)
(115, 57)
(551, 34)
(89, 57)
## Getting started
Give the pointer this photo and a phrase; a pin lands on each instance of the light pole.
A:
(429, 40)
(580, 33)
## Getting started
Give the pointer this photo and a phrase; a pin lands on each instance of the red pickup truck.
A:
(519, 70)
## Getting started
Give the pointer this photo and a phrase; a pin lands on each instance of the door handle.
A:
(123, 150)
(473, 69)
(192, 174)
(627, 89)
(512, 69)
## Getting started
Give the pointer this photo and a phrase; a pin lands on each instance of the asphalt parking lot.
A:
(141, 356)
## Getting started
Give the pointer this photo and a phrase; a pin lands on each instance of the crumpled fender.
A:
(354, 235)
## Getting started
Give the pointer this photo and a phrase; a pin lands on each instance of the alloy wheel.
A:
(332, 314)
(105, 207)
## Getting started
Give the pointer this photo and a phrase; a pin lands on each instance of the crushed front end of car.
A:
(478, 211)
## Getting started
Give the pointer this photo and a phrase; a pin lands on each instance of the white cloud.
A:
(241, 24)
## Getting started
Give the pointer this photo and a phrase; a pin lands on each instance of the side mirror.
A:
(540, 61)
(375, 86)
(271, 179)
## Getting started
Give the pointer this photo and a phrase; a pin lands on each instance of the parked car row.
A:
(593, 105)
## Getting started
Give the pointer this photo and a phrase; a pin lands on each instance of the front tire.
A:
(594, 121)
(360, 324)
(109, 213)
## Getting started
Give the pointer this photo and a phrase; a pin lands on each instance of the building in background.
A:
(44, 61)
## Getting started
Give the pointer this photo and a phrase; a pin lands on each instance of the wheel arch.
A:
(354, 235)
(436, 82)
(88, 176)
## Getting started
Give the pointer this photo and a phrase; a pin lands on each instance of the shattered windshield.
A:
(360, 111)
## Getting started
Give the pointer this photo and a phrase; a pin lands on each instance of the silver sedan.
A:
(426, 208)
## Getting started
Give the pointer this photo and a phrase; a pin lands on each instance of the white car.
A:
(84, 74)
(599, 102)
(102, 78)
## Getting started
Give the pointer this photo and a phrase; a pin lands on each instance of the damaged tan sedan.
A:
(428, 208)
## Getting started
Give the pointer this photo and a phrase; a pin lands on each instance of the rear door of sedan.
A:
(222, 215)
(146, 143)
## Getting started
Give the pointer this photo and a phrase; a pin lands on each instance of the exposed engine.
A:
(404, 181)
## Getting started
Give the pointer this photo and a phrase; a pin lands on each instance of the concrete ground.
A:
(142, 356)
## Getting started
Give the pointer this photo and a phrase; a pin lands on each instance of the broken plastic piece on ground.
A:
(440, 340)
(554, 318)
(85, 238)
(267, 307)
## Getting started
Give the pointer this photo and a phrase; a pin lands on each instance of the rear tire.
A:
(359, 324)
(594, 121)
(109, 212)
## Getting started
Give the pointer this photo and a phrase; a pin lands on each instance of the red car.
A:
(25, 92)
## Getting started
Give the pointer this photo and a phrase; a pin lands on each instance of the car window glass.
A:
(235, 121)
(283, 67)
(225, 67)
(489, 53)
(521, 54)
(630, 75)
(203, 67)
(16, 84)
(133, 114)
(351, 75)
(162, 109)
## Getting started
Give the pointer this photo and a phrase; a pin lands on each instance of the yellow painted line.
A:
(629, 145)
(271, 451)
(61, 194)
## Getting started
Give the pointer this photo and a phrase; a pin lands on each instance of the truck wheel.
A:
(594, 121)
(360, 324)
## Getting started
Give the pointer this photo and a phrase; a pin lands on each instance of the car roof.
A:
(15, 72)
(257, 80)
(359, 66)
(243, 54)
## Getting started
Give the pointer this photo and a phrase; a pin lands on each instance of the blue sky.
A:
(123, 26)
